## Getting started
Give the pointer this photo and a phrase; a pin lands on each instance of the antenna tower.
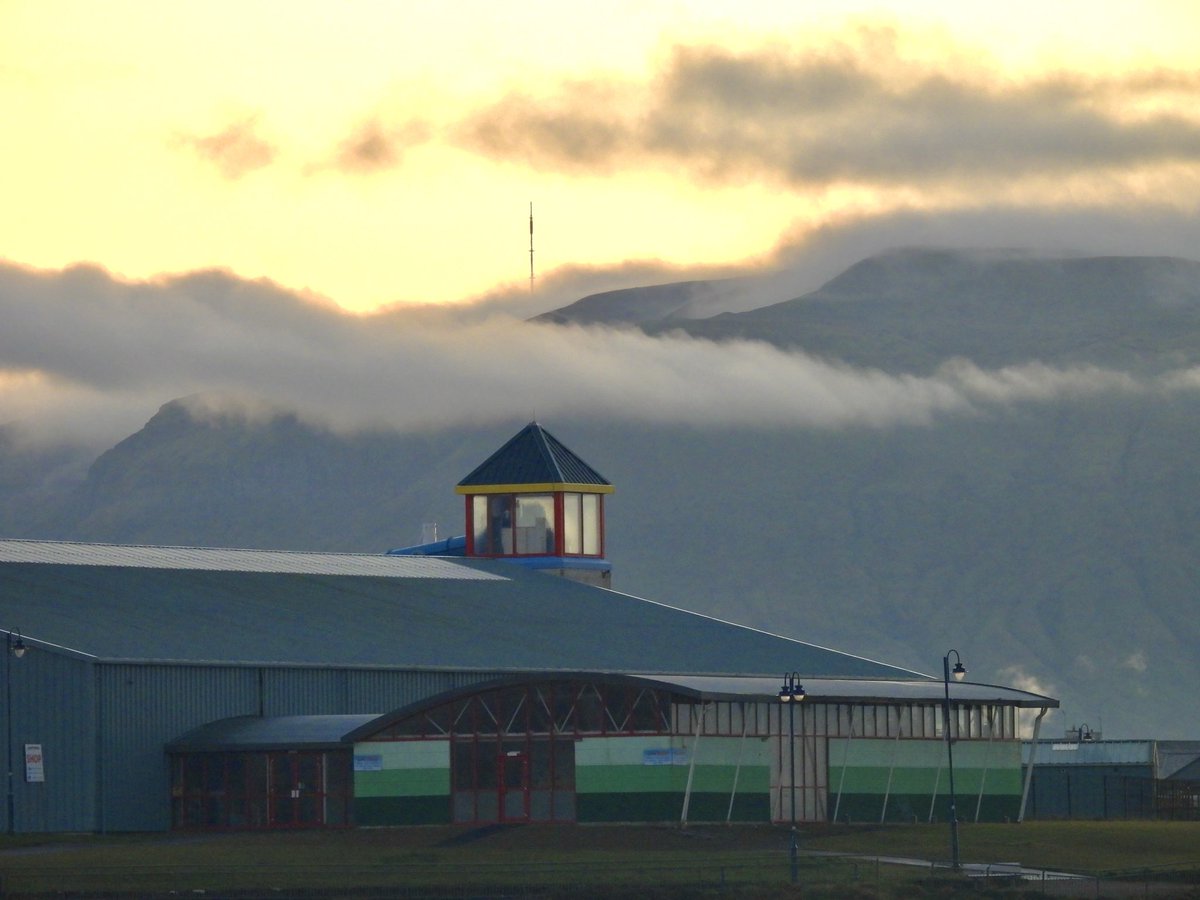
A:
(531, 246)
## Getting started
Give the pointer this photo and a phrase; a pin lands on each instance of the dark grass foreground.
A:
(1122, 859)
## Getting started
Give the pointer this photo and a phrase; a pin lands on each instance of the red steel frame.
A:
(482, 719)
(237, 795)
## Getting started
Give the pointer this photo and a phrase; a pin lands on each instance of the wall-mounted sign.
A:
(35, 767)
(368, 763)
(667, 756)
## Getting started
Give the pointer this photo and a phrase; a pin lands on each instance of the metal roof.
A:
(325, 732)
(270, 733)
(704, 688)
(1071, 752)
(115, 606)
(860, 690)
(224, 560)
(1179, 759)
(534, 456)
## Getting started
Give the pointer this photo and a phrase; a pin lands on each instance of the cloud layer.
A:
(856, 112)
(877, 137)
(86, 356)
(862, 109)
(235, 150)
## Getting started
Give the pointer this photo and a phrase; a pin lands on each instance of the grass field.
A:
(596, 861)
(1087, 846)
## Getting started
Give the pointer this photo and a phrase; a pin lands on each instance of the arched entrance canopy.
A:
(705, 688)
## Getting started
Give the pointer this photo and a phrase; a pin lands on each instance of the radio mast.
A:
(531, 246)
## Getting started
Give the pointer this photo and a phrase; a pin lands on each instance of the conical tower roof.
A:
(534, 459)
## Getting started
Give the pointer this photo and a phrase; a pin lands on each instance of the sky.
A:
(325, 205)
(376, 153)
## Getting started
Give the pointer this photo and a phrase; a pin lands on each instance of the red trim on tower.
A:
(469, 505)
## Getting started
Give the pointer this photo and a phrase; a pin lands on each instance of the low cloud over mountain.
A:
(86, 355)
(991, 451)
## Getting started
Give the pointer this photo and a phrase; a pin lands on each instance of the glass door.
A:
(297, 790)
(514, 786)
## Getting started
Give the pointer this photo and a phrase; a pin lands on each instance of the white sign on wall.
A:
(368, 763)
(667, 756)
(35, 767)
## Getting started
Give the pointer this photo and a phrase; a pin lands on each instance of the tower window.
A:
(513, 524)
(581, 524)
(535, 523)
(530, 524)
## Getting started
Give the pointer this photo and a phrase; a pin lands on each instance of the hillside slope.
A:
(909, 311)
(1054, 543)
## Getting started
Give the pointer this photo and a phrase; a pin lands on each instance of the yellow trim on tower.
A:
(543, 488)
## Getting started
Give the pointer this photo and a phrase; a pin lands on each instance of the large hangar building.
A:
(492, 678)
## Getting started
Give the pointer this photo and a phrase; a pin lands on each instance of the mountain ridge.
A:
(1055, 543)
(999, 312)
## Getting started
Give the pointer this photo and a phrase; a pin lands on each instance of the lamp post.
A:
(15, 646)
(792, 693)
(959, 673)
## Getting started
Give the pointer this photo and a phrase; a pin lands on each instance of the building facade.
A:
(1082, 776)
(168, 687)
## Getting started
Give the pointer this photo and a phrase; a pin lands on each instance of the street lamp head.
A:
(16, 647)
(959, 671)
(792, 690)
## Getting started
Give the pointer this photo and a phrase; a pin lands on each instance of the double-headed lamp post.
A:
(792, 693)
(15, 646)
(959, 671)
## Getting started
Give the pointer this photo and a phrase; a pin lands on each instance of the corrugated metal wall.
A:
(53, 704)
(294, 691)
(143, 707)
(1092, 792)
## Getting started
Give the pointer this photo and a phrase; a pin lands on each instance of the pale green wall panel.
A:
(630, 751)
(995, 781)
(932, 753)
(637, 779)
(874, 780)
(407, 754)
(917, 767)
(402, 783)
(404, 769)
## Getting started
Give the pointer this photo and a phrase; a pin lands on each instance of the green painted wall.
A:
(407, 783)
(860, 769)
(643, 779)
(626, 780)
